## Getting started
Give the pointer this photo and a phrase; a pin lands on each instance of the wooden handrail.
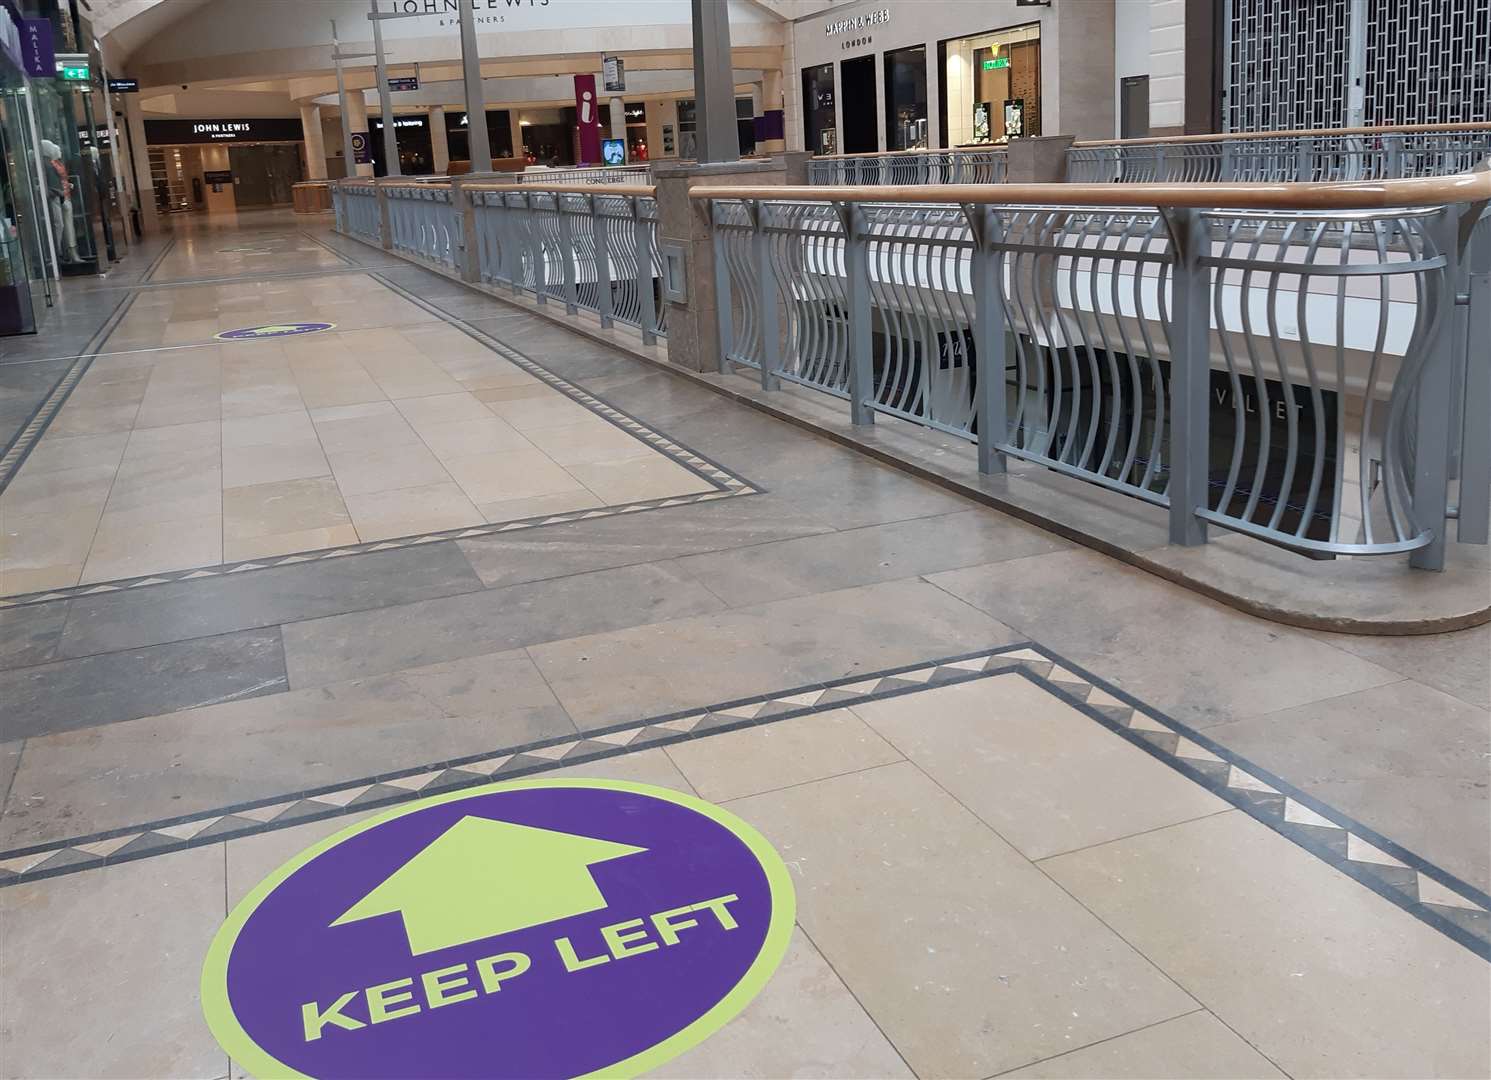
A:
(1343, 195)
(1303, 133)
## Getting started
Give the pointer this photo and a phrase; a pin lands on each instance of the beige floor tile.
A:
(195, 440)
(968, 957)
(805, 1023)
(518, 391)
(485, 373)
(1323, 976)
(139, 1013)
(437, 409)
(514, 509)
(202, 501)
(38, 578)
(369, 431)
(510, 474)
(537, 407)
(1042, 775)
(34, 541)
(160, 482)
(642, 767)
(408, 375)
(92, 419)
(463, 438)
(297, 460)
(780, 754)
(269, 430)
(380, 515)
(363, 471)
(258, 547)
(634, 479)
(286, 506)
(127, 550)
(592, 440)
(1194, 1047)
(330, 387)
(65, 490)
(80, 451)
(262, 400)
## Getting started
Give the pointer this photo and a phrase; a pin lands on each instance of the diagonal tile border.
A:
(1429, 893)
(724, 484)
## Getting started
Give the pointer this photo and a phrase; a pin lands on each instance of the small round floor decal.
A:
(249, 333)
(536, 928)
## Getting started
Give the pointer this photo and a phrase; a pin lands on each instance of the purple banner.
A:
(37, 51)
(588, 120)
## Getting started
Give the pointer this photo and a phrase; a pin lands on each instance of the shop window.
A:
(745, 125)
(688, 128)
(991, 86)
(636, 131)
(820, 129)
(906, 98)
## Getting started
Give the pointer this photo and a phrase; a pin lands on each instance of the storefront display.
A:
(991, 85)
(820, 125)
(26, 270)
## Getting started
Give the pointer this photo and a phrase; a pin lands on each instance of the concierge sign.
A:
(538, 928)
(215, 130)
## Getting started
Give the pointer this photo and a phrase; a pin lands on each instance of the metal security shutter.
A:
(1290, 64)
(1428, 62)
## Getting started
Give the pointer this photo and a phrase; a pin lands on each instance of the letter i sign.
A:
(531, 928)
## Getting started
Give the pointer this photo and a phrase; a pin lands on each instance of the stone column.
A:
(135, 120)
(315, 143)
(773, 124)
(516, 127)
(618, 118)
(439, 144)
(357, 121)
(693, 325)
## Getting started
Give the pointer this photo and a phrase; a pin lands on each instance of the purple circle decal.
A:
(273, 330)
(538, 928)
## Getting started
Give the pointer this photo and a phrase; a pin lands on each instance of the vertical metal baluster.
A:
(605, 303)
(1392, 149)
(568, 257)
(765, 274)
(1304, 161)
(1190, 370)
(857, 268)
(722, 299)
(646, 297)
(1432, 402)
(1474, 523)
(535, 249)
(989, 344)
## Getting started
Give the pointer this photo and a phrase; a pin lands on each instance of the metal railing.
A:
(989, 166)
(1292, 156)
(609, 174)
(357, 214)
(421, 222)
(1290, 368)
(596, 251)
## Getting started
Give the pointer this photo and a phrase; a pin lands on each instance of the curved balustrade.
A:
(989, 166)
(1282, 360)
(356, 207)
(422, 223)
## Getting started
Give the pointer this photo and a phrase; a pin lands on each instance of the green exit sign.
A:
(74, 73)
(997, 63)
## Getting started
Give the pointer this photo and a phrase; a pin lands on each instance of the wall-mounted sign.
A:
(1014, 118)
(1032, 3)
(124, 86)
(217, 176)
(613, 151)
(613, 74)
(36, 47)
(175, 132)
(851, 23)
(530, 928)
(996, 63)
(636, 113)
(397, 84)
(73, 67)
(362, 150)
(399, 121)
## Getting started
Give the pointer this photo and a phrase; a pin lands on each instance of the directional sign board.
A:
(552, 928)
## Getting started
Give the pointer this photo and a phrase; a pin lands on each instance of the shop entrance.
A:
(857, 84)
(263, 175)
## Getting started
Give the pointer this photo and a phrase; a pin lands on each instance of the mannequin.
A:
(59, 200)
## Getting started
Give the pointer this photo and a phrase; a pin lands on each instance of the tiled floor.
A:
(1276, 865)
(177, 450)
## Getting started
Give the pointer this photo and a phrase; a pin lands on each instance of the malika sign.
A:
(537, 928)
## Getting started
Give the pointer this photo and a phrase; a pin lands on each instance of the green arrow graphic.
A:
(483, 877)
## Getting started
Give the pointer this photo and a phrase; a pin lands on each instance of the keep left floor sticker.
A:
(536, 928)
(273, 330)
